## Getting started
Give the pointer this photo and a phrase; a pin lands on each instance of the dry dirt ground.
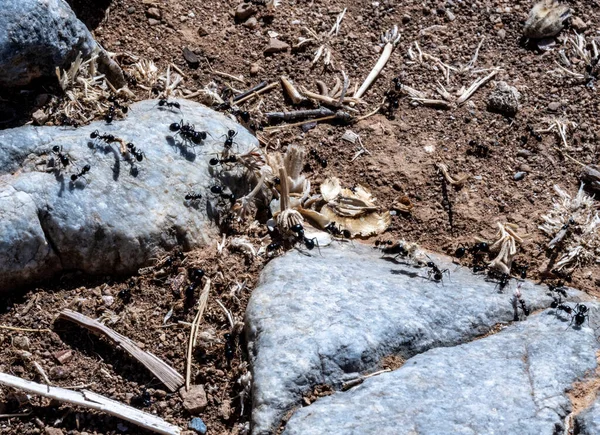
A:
(401, 162)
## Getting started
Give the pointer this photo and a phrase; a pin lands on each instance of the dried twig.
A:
(257, 93)
(95, 401)
(291, 91)
(202, 302)
(474, 86)
(391, 39)
(249, 91)
(167, 374)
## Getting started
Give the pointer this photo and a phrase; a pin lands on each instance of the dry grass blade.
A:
(89, 399)
(167, 374)
(202, 302)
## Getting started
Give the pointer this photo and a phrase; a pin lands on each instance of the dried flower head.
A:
(546, 19)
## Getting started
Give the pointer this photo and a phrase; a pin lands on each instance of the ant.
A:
(521, 270)
(229, 346)
(562, 275)
(310, 244)
(218, 190)
(67, 121)
(392, 248)
(518, 300)
(392, 97)
(478, 248)
(581, 313)
(534, 133)
(437, 273)
(144, 400)
(64, 160)
(317, 157)
(125, 295)
(81, 174)
(461, 251)
(331, 228)
(137, 153)
(162, 102)
(188, 132)
(192, 197)
(108, 138)
(274, 246)
(503, 278)
(477, 149)
(215, 161)
(229, 138)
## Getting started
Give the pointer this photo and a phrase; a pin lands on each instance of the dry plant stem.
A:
(436, 104)
(330, 100)
(89, 399)
(476, 85)
(250, 91)
(299, 114)
(14, 328)
(228, 76)
(202, 302)
(455, 182)
(289, 89)
(279, 127)
(385, 56)
(167, 374)
(257, 93)
(284, 201)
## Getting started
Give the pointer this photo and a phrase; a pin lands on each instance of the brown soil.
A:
(403, 154)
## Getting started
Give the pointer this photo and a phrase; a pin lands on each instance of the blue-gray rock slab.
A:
(38, 36)
(514, 382)
(112, 220)
(588, 421)
(326, 319)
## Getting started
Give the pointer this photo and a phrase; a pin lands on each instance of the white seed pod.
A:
(546, 19)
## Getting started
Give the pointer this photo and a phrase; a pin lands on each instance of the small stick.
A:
(167, 374)
(437, 104)
(338, 115)
(202, 302)
(229, 76)
(391, 39)
(255, 94)
(250, 91)
(476, 85)
(176, 68)
(284, 203)
(299, 114)
(95, 401)
(329, 100)
(15, 415)
(14, 328)
(291, 91)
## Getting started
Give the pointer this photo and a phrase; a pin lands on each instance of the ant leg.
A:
(447, 272)
(317, 243)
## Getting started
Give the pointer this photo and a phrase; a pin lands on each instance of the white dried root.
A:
(458, 182)
(546, 19)
(577, 216)
(561, 128)
(506, 246)
(576, 50)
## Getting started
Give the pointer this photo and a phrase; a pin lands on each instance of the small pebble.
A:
(524, 153)
(254, 69)
(191, 58)
(21, 342)
(198, 425)
(501, 33)
(519, 176)
(153, 13)
(450, 15)
(554, 106)
(153, 22)
(58, 373)
(130, 10)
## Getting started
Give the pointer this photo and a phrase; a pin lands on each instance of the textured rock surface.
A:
(504, 99)
(37, 36)
(588, 421)
(514, 382)
(315, 320)
(117, 220)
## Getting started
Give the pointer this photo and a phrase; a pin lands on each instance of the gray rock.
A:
(514, 382)
(117, 220)
(504, 99)
(323, 320)
(588, 421)
(519, 176)
(36, 37)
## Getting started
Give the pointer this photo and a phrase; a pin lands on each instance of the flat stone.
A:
(588, 421)
(194, 400)
(153, 13)
(191, 58)
(121, 215)
(513, 382)
(554, 106)
(276, 46)
(326, 319)
(251, 23)
(578, 24)
(244, 11)
(153, 22)
(197, 425)
(519, 175)
(38, 36)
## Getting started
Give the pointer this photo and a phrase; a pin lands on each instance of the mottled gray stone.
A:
(504, 99)
(588, 421)
(514, 382)
(36, 37)
(116, 221)
(323, 319)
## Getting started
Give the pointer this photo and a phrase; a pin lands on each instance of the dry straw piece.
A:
(506, 247)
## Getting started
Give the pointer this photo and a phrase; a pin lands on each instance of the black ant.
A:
(273, 246)
(81, 174)
(64, 160)
(229, 138)
(331, 228)
(310, 244)
(477, 149)
(562, 275)
(518, 300)
(144, 400)
(460, 251)
(108, 138)
(502, 278)
(110, 114)
(188, 132)
(446, 200)
(437, 273)
(581, 313)
(229, 346)
(215, 161)
(137, 153)
(169, 104)
(218, 190)
(193, 197)
(521, 270)
(534, 133)
(392, 248)
(392, 97)
(125, 295)
(318, 158)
